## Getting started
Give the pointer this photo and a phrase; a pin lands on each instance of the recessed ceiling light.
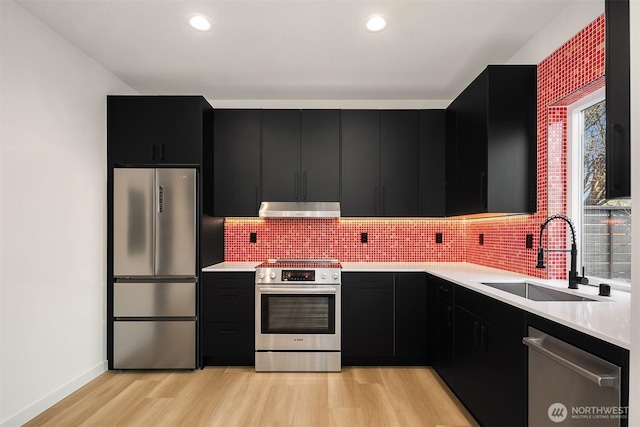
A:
(200, 22)
(376, 23)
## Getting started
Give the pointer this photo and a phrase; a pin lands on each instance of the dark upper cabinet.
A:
(301, 155)
(399, 163)
(360, 163)
(236, 159)
(320, 155)
(151, 130)
(432, 163)
(618, 98)
(380, 163)
(491, 143)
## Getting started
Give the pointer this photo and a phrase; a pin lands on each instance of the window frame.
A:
(575, 135)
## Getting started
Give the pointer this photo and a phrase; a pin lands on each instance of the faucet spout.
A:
(574, 279)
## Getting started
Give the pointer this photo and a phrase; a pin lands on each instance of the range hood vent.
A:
(299, 210)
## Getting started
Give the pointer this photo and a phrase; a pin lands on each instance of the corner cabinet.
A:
(618, 98)
(227, 319)
(385, 319)
(301, 155)
(156, 130)
(491, 143)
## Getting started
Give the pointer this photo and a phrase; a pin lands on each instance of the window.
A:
(603, 226)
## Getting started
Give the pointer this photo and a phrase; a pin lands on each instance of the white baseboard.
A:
(54, 397)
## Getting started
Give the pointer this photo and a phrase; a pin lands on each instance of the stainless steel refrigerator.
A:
(154, 261)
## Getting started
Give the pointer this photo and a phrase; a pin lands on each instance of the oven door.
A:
(298, 317)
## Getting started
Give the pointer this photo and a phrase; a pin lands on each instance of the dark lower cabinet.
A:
(444, 345)
(490, 359)
(227, 319)
(385, 319)
(367, 318)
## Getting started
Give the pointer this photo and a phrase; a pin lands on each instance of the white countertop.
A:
(607, 319)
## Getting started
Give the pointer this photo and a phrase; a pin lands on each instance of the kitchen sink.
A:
(536, 292)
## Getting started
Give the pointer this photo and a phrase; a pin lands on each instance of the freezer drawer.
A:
(154, 344)
(159, 299)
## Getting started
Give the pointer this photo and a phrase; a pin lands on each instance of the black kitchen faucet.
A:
(574, 279)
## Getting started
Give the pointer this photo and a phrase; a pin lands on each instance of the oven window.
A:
(298, 314)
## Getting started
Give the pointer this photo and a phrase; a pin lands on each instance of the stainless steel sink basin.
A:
(535, 292)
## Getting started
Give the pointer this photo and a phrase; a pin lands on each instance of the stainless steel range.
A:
(298, 316)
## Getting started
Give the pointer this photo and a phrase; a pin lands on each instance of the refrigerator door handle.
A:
(160, 199)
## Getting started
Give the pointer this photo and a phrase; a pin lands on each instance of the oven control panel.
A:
(298, 276)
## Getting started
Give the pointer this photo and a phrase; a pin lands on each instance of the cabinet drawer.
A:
(444, 289)
(367, 280)
(228, 340)
(508, 318)
(227, 304)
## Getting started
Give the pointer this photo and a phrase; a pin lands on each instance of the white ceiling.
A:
(298, 49)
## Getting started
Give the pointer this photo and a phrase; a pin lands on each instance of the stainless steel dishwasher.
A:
(569, 386)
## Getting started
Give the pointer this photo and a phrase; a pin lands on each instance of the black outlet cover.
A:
(529, 241)
(364, 237)
(481, 238)
(438, 237)
(253, 237)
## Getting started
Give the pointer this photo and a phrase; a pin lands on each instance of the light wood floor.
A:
(241, 397)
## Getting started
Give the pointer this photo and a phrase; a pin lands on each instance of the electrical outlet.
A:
(481, 239)
(253, 237)
(364, 238)
(529, 241)
(438, 237)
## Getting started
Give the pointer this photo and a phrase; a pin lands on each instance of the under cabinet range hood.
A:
(299, 210)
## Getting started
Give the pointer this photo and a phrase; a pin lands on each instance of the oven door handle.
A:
(298, 290)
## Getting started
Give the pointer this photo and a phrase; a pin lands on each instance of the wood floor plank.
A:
(240, 397)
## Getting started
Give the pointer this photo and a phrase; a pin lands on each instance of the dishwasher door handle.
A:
(600, 380)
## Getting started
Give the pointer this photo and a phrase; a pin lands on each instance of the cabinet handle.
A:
(483, 338)
(297, 184)
(615, 130)
(228, 331)
(228, 297)
(257, 201)
(304, 185)
(449, 316)
(476, 334)
(377, 199)
(483, 177)
(162, 152)
(444, 289)
(369, 280)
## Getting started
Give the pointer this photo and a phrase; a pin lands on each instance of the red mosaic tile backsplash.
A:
(574, 70)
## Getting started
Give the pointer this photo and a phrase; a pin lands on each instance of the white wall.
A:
(577, 15)
(52, 215)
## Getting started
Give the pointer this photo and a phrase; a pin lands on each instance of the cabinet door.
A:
(360, 163)
(320, 152)
(180, 129)
(367, 318)
(132, 130)
(281, 177)
(432, 163)
(618, 98)
(471, 150)
(469, 377)
(504, 368)
(399, 163)
(444, 341)
(236, 151)
(411, 330)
